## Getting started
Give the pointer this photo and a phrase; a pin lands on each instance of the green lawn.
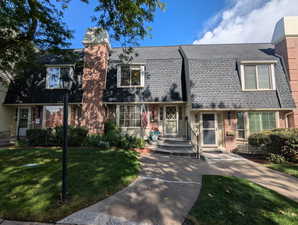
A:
(289, 168)
(33, 193)
(235, 201)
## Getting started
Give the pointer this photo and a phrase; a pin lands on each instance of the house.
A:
(5, 113)
(224, 92)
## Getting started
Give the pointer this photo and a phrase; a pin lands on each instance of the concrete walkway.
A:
(163, 194)
(169, 185)
(238, 166)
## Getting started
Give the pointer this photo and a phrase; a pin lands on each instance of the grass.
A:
(33, 193)
(235, 201)
(289, 168)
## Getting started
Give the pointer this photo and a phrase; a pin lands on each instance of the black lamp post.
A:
(66, 82)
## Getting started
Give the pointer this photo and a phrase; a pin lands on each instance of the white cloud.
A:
(248, 21)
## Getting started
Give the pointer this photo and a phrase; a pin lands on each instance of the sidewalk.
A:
(163, 194)
(234, 165)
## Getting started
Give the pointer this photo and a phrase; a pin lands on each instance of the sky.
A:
(198, 21)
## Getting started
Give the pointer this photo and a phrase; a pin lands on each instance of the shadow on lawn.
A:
(32, 193)
(231, 200)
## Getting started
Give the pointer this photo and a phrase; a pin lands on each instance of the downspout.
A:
(286, 118)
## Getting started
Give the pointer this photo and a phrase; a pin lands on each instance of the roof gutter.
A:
(243, 109)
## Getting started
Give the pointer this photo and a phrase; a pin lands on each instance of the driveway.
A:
(168, 187)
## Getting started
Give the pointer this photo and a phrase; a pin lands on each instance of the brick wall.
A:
(230, 123)
(288, 49)
(93, 110)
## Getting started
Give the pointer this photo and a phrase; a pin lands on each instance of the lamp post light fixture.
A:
(60, 77)
(66, 83)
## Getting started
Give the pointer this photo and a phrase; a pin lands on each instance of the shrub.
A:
(259, 139)
(283, 142)
(112, 133)
(128, 142)
(275, 158)
(21, 143)
(96, 140)
(48, 137)
(76, 135)
(40, 137)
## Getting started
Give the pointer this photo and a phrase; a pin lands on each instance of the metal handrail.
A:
(196, 141)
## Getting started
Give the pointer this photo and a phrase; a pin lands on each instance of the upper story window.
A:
(55, 75)
(130, 75)
(258, 76)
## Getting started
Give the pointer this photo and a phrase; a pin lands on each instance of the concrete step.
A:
(5, 143)
(174, 152)
(173, 141)
(174, 146)
(172, 138)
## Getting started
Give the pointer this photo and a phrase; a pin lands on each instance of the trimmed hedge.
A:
(78, 136)
(53, 137)
(282, 142)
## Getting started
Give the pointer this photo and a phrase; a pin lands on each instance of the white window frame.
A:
(272, 77)
(118, 115)
(215, 129)
(247, 130)
(29, 122)
(244, 128)
(165, 119)
(131, 66)
(44, 119)
(71, 70)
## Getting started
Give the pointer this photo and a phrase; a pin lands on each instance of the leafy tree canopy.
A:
(30, 26)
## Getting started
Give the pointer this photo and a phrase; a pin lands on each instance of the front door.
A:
(23, 122)
(209, 129)
(171, 120)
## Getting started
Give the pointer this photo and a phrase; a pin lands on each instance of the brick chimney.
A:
(96, 53)
(285, 39)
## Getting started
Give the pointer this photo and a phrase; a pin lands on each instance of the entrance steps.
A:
(173, 146)
(6, 142)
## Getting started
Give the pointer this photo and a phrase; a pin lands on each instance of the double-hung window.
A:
(258, 76)
(55, 75)
(130, 116)
(259, 121)
(240, 125)
(130, 75)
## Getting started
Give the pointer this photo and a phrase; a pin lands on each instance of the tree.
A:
(30, 26)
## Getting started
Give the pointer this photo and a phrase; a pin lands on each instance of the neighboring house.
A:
(225, 92)
(6, 118)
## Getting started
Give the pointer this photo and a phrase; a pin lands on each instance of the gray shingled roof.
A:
(31, 88)
(252, 51)
(215, 81)
(158, 52)
(163, 76)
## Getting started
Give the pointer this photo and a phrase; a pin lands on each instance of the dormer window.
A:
(258, 76)
(130, 75)
(54, 75)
